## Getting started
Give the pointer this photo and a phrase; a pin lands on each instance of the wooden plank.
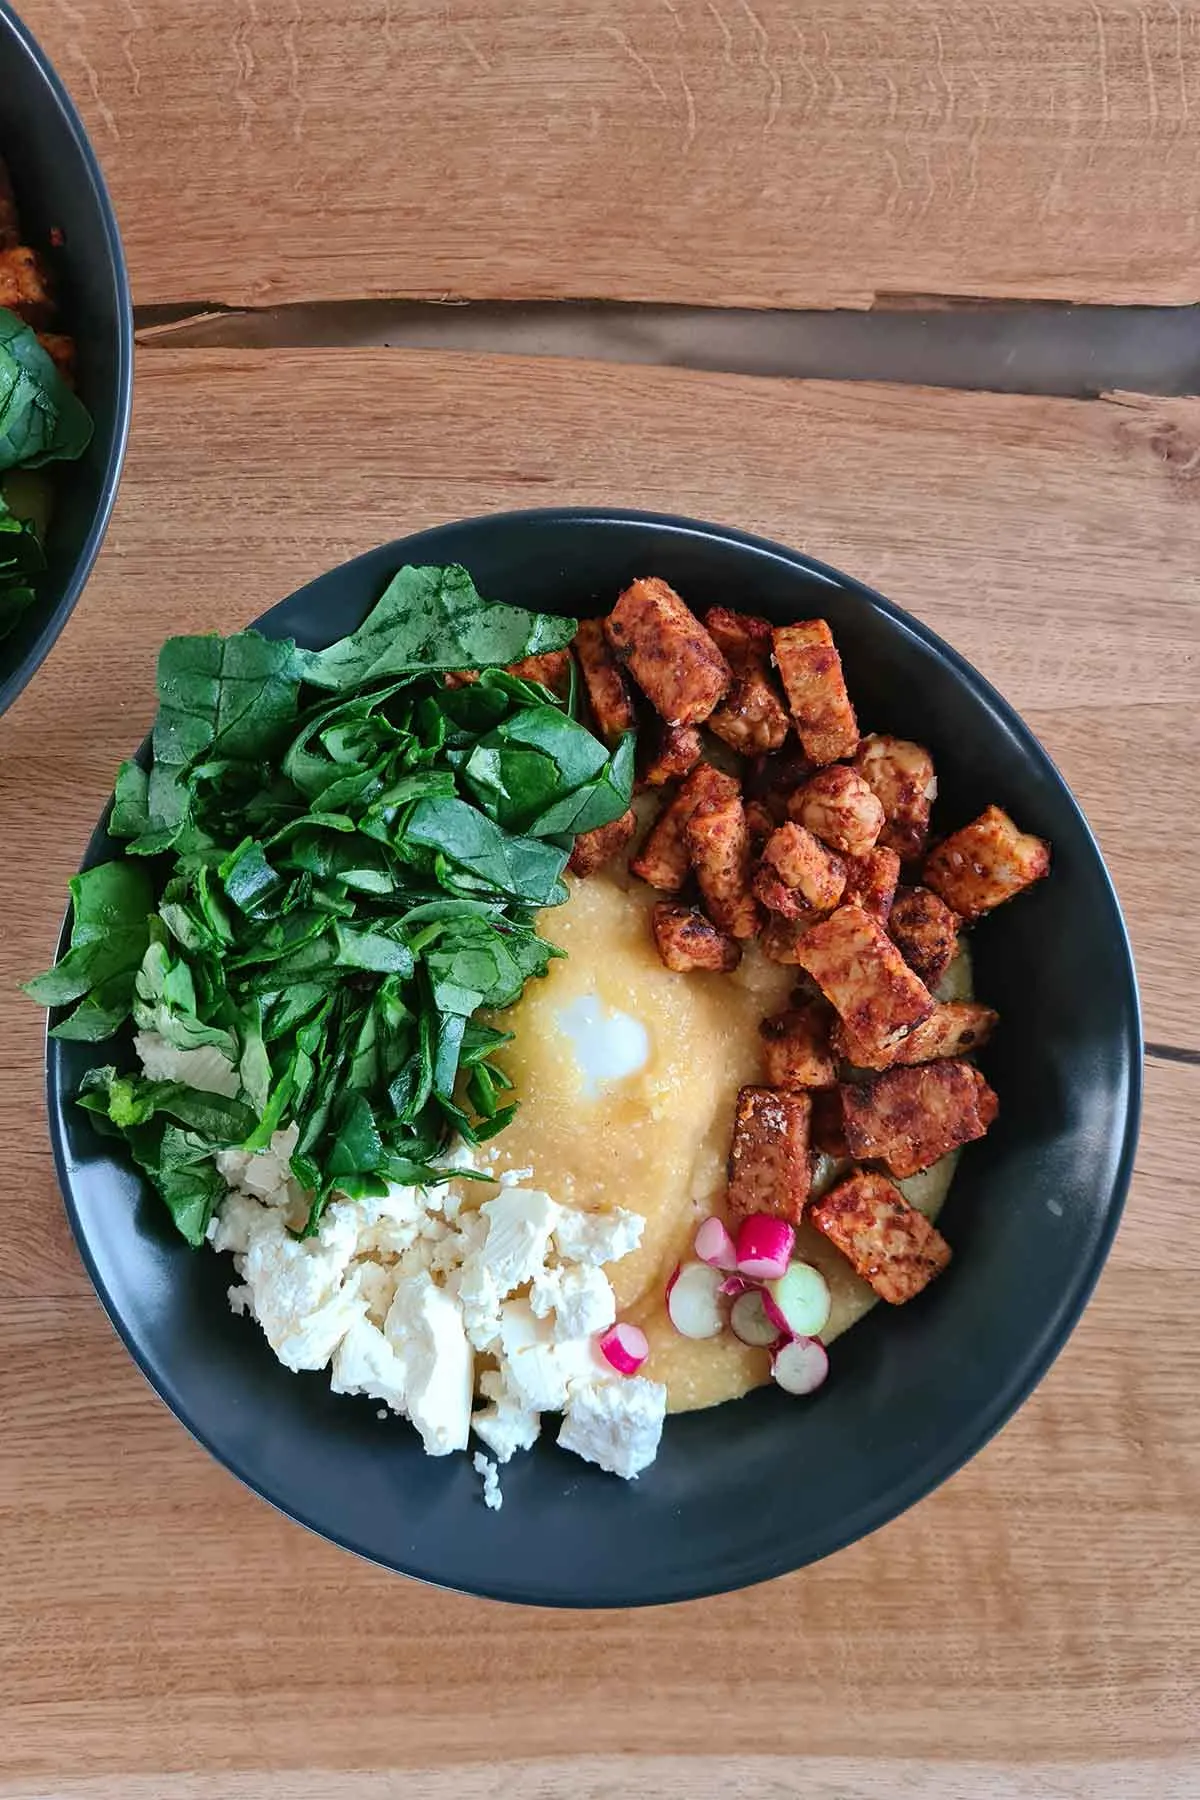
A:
(787, 153)
(159, 1617)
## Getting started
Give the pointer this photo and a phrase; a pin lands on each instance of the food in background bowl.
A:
(464, 1124)
(42, 420)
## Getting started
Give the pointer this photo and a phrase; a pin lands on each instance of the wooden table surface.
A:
(1032, 1629)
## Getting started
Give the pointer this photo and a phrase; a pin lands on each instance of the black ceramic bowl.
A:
(59, 188)
(759, 1487)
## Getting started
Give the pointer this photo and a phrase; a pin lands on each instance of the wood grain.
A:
(1032, 1628)
(786, 153)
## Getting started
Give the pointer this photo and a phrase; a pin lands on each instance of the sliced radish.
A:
(798, 1300)
(694, 1300)
(764, 1246)
(733, 1285)
(715, 1246)
(801, 1366)
(625, 1347)
(749, 1322)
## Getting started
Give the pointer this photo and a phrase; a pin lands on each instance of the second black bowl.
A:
(60, 189)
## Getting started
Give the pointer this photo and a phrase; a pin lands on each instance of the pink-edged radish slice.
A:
(715, 1247)
(694, 1300)
(798, 1301)
(801, 1366)
(764, 1246)
(733, 1285)
(749, 1323)
(624, 1347)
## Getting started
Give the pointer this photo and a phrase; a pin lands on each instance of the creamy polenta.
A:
(655, 1137)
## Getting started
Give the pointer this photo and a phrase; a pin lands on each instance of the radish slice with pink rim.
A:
(801, 1366)
(715, 1246)
(750, 1324)
(798, 1301)
(764, 1247)
(624, 1347)
(694, 1304)
(733, 1285)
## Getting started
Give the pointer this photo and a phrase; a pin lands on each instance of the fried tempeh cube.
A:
(884, 1239)
(774, 779)
(25, 286)
(828, 1126)
(797, 876)
(781, 938)
(668, 652)
(811, 670)
(985, 863)
(910, 1118)
(552, 668)
(595, 848)
(837, 806)
(752, 718)
(675, 750)
(770, 1163)
(871, 882)
(718, 841)
(901, 774)
(925, 932)
(760, 822)
(664, 859)
(955, 1028)
(795, 1048)
(607, 689)
(864, 977)
(686, 940)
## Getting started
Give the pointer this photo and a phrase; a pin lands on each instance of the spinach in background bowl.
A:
(61, 195)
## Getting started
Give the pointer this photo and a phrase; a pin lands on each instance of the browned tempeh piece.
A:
(909, 1118)
(955, 1028)
(797, 876)
(886, 1241)
(674, 752)
(25, 286)
(752, 718)
(552, 668)
(781, 939)
(837, 806)
(901, 774)
(864, 977)
(925, 931)
(774, 779)
(828, 1125)
(871, 882)
(667, 651)
(985, 863)
(770, 1163)
(595, 848)
(607, 689)
(664, 859)
(795, 1046)
(718, 841)
(811, 670)
(686, 940)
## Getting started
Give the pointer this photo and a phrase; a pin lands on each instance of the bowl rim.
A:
(55, 620)
(1024, 1376)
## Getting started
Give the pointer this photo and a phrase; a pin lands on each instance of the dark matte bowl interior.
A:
(749, 1490)
(58, 185)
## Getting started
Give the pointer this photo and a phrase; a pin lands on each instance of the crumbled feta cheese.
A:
(377, 1285)
(424, 1326)
(520, 1221)
(241, 1301)
(366, 1362)
(300, 1298)
(597, 1237)
(483, 1465)
(580, 1298)
(506, 1425)
(206, 1069)
(616, 1424)
(538, 1366)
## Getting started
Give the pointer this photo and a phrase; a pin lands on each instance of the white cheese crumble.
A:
(483, 1465)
